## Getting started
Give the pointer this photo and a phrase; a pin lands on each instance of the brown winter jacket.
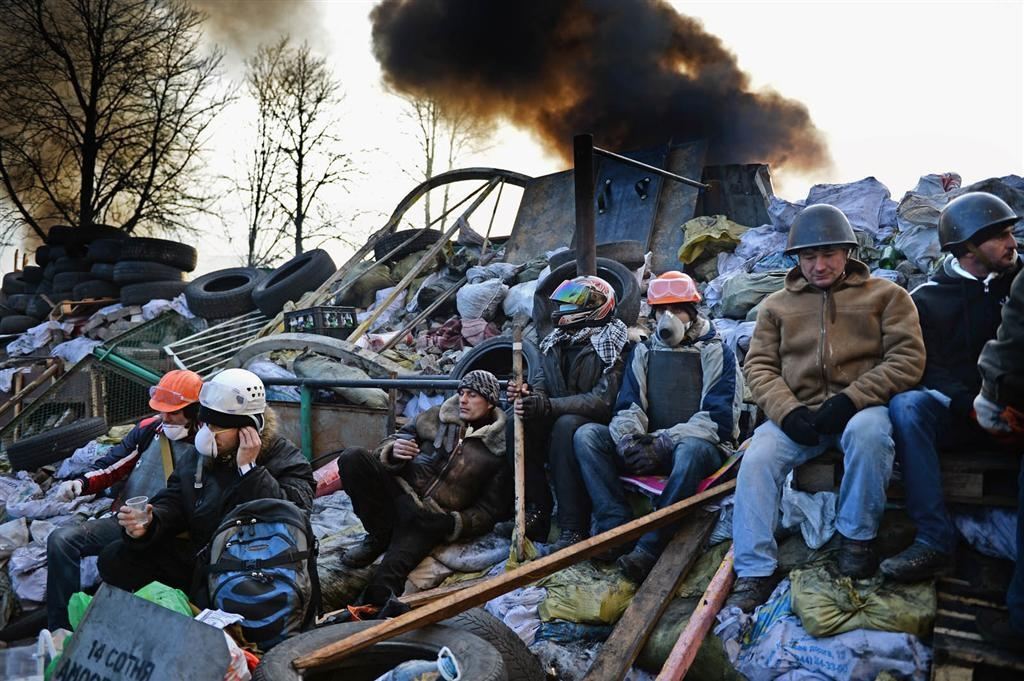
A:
(471, 481)
(861, 337)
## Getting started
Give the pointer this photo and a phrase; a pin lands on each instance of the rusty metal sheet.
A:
(742, 193)
(546, 217)
(676, 205)
(335, 426)
(627, 197)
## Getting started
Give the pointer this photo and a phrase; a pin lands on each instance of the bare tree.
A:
(444, 136)
(105, 106)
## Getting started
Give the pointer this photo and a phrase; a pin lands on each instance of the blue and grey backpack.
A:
(263, 567)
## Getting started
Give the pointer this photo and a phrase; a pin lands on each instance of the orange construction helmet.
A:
(672, 287)
(176, 390)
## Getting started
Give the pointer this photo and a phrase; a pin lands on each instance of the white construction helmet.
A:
(234, 398)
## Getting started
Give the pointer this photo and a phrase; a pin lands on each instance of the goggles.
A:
(222, 398)
(166, 396)
(663, 288)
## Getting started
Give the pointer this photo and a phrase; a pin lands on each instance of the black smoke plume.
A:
(636, 73)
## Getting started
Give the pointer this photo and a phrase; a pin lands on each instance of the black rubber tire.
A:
(224, 293)
(140, 271)
(627, 293)
(6, 311)
(56, 253)
(162, 251)
(33, 274)
(42, 255)
(520, 663)
(45, 286)
(87, 235)
(68, 264)
(67, 281)
(104, 250)
(19, 302)
(426, 239)
(140, 294)
(103, 270)
(495, 355)
(14, 283)
(97, 288)
(629, 253)
(17, 323)
(478, 659)
(302, 273)
(39, 308)
(39, 450)
(60, 235)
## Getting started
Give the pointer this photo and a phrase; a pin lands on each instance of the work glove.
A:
(638, 452)
(664, 445)
(832, 416)
(535, 406)
(69, 490)
(799, 427)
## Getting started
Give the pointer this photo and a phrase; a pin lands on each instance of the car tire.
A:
(303, 273)
(495, 355)
(629, 253)
(19, 302)
(162, 251)
(224, 293)
(627, 293)
(42, 255)
(67, 264)
(32, 274)
(96, 288)
(140, 272)
(67, 281)
(45, 448)
(425, 239)
(17, 323)
(103, 270)
(520, 663)
(14, 283)
(105, 250)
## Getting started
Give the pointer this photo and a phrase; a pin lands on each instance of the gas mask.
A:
(206, 443)
(671, 330)
(174, 432)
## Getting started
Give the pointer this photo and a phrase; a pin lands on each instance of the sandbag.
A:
(828, 605)
(862, 202)
(361, 293)
(743, 291)
(519, 300)
(476, 301)
(587, 594)
(920, 243)
(405, 265)
(312, 365)
(709, 235)
(711, 662)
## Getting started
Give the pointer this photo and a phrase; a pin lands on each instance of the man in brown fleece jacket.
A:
(828, 352)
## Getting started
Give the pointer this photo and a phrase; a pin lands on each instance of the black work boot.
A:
(538, 524)
(916, 563)
(566, 538)
(750, 592)
(636, 564)
(856, 558)
(366, 552)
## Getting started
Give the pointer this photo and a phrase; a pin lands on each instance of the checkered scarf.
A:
(608, 340)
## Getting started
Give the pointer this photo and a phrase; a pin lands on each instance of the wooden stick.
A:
(492, 588)
(519, 469)
(423, 315)
(652, 598)
(688, 643)
(27, 390)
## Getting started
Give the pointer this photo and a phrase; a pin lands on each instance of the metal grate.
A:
(144, 344)
(209, 350)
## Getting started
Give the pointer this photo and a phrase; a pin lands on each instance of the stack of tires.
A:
(144, 269)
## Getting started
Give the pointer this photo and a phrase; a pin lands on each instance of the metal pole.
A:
(428, 383)
(306, 421)
(586, 242)
(648, 168)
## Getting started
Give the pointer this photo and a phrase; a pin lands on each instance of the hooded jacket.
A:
(959, 314)
(281, 472)
(459, 470)
(1002, 361)
(860, 337)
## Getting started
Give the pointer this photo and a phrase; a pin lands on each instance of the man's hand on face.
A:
(405, 450)
(249, 444)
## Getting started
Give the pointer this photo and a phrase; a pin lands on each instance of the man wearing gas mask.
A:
(139, 465)
(239, 458)
(680, 400)
(580, 376)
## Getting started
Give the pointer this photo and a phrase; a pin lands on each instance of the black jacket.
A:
(575, 380)
(958, 316)
(1002, 361)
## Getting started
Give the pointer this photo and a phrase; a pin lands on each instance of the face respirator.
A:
(670, 329)
(174, 432)
(206, 443)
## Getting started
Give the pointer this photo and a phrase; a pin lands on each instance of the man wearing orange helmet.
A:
(139, 465)
(679, 401)
(580, 376)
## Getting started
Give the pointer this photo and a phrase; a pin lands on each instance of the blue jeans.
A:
(919, 422)
(868, 453)
(1015, 596)
(65, 549)
(600, 465)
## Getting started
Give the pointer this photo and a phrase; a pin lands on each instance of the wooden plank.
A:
(952, 673)
(648, 605)
(492, 588)
(519, 431)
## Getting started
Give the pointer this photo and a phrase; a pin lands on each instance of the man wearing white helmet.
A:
(241, 458)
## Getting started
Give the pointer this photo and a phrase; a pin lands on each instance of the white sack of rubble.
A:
(311, 365)
(480, 301)
(862, 202)
(519, 300)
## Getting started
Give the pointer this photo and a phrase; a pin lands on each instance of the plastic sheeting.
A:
(815, 514)
(28, 572)
(741, 293)
(709, 234)
(155, 308)
(989, 530)
(474, 556)
(518, 610)
(496, 270)
(39, 336)
(519, 300)
(7, 377)
(862, 202)
(480, 301)
(264, 368)
(420, 403)
(81, 462)
(14, 534)
(920, 245)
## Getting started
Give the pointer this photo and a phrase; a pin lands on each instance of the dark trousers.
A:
(169, 562)
(65, 549)
(1015, 597)
(551, 443)
(374, 491)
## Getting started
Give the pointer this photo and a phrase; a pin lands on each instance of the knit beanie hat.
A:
(483, 383)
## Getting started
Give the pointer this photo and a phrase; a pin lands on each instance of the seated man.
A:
(680, 399)
(143, 461)
(442, 477)
(829, 350)
(959, 308)
(239, 457)
(580, 376)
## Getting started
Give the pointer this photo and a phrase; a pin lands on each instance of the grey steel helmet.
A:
(820, 225)
(968, 214)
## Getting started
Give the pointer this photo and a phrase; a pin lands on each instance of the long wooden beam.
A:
(652, 598)
(480, 593)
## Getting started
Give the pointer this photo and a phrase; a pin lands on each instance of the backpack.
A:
(263, 567)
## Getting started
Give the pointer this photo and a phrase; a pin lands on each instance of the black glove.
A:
(664, 445)
(536, 406)
(799, 426)
(832, 416)
(438, 523)
(639, 453)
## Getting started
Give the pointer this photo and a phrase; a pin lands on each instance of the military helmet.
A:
(968, 214)
(818, 226)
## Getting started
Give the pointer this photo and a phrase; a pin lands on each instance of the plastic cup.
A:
(137, 503)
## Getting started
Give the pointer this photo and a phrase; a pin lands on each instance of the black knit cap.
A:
(484, 383)
(222, 420)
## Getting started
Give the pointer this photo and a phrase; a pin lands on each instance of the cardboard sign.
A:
(125, 638)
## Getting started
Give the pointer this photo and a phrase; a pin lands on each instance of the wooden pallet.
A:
(959, 652)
